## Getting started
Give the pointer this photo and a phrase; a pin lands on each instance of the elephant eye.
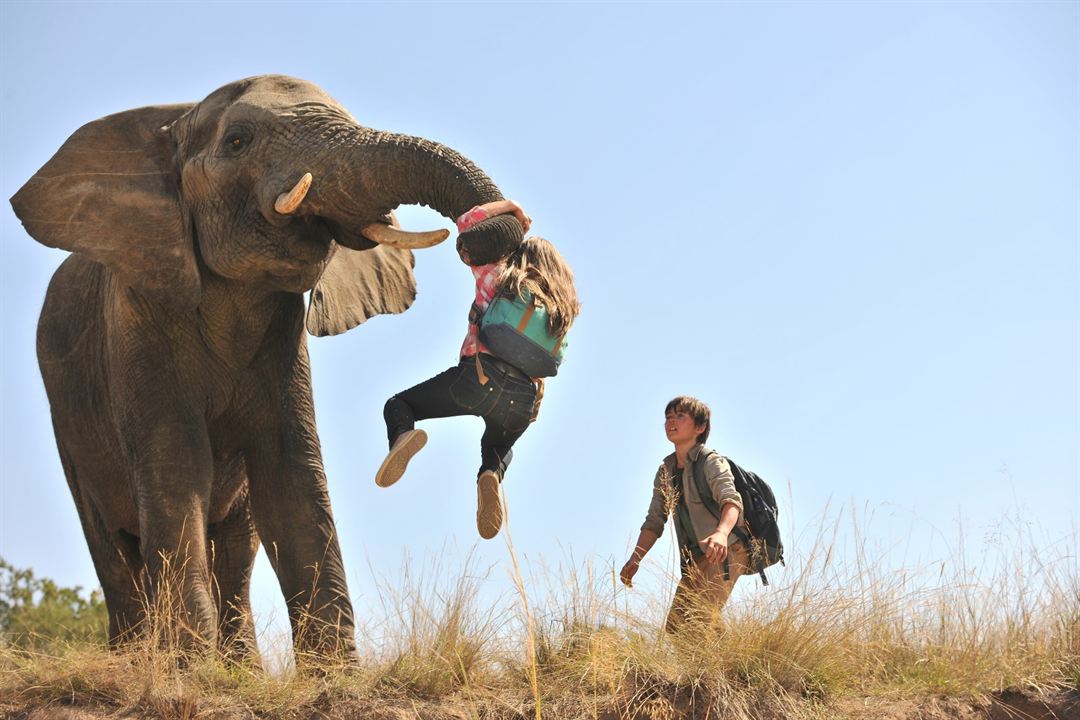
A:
(235, 140)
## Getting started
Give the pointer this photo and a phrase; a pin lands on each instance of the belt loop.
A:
(480, 371)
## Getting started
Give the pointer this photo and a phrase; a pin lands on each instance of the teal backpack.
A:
(515, 330)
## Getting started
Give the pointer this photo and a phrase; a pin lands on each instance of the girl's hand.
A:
(525, 220)
(508, 207)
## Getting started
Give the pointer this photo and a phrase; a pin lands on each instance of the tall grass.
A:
(571, 642)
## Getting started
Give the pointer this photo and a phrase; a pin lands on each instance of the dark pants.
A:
(505, 402)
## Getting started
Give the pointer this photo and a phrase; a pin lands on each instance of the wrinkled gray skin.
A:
(172, 340)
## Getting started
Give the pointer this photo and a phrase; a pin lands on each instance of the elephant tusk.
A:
(287, 203)
(403, 239)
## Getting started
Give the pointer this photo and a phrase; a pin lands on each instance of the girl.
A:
(482, 384)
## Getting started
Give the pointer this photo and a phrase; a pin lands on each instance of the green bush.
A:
(37, 613)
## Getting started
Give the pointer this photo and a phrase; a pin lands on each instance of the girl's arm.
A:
(507, 207)
(479, 213)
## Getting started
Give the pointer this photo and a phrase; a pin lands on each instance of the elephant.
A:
(172, 339)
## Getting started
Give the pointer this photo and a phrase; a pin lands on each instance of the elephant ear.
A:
(360, 284)
(111, 193)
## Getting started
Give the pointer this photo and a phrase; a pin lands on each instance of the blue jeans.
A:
(505, 402)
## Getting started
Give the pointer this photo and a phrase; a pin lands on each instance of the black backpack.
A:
(759, 511)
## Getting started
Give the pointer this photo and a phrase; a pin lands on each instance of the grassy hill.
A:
(829, 640)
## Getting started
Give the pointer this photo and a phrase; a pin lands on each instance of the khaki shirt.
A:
(720, 480)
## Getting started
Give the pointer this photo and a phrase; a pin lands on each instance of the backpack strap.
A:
(480, 370)
(475, 314)
(703, 489)
(526, 317)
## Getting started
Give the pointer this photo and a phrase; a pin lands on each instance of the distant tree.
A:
(36, 612)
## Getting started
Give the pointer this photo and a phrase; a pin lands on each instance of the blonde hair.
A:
(536, 266)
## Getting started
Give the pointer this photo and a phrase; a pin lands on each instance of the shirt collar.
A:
(691, 455)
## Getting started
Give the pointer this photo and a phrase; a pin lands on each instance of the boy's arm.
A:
(646, 539)
(716, 545)
(657, 513)
(651, 529)
(722, 484)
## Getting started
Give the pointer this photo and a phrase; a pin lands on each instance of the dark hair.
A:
(695, 409)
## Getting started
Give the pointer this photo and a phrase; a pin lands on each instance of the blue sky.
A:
(852, 228)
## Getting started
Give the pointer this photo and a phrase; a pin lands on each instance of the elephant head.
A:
(268, 181)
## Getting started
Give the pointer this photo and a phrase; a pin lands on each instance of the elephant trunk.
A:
(404, 170)
(373, 172)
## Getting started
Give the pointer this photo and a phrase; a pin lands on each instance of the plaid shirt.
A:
(486, 276)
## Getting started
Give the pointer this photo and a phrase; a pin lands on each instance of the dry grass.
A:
(571, 643)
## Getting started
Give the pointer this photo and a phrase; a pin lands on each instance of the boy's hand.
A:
(715, 547)
(628, 571)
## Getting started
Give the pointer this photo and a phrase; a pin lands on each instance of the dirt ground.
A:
(1009, 705)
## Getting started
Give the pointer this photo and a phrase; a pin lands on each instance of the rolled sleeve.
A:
(467, 220)
(722, 482)
(656, 517)
(471, 217)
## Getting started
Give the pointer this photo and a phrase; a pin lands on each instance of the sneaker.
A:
(489, 513)
(393, 467)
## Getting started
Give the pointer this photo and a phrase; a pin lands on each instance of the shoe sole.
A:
(489, 514)
(393, 467)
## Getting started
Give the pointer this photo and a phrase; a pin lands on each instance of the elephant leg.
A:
(232, 546)
(292, 513)
(290, 502)
(173, 472)
(116, 560)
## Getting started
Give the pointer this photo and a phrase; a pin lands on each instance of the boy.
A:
(704, 540)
